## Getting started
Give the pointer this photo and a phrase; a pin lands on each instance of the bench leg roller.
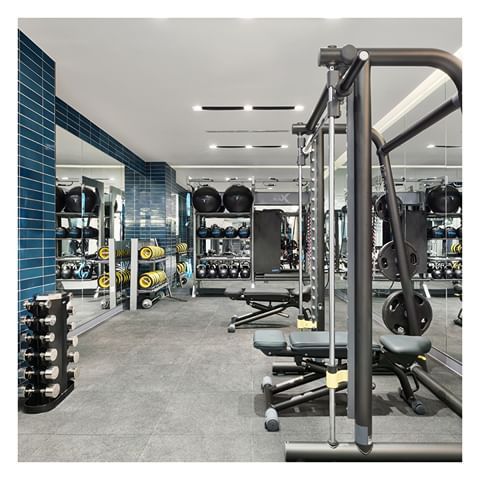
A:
(272, 423)
(266, 381)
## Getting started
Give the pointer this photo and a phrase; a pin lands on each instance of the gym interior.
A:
(186, 292)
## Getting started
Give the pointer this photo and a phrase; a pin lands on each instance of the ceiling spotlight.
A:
(283, 146)
(227, 179)
(64, 178)
(248, 108)
(249, 146)
(249, 179)
(430, 145)
(111, 179)
(213, 146)
(299, 108)
(197, 108)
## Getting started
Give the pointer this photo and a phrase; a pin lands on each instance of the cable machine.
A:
(348, 78)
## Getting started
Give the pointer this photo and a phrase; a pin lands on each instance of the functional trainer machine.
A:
(348, 78)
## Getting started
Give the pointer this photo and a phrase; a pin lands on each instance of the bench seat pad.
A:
(406, 345)
(269, 340)
(316, 344)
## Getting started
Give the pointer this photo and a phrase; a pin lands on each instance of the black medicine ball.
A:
(444, 199)
(206, 199)
(59, 199)
(238, 198)
(75, 197)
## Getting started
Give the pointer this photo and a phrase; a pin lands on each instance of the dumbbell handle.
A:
(48, 338)
(50, 355)
(73, 357)
(49, 373)
(72, 341)
(73, 373)
(50, 391)
(48, 321)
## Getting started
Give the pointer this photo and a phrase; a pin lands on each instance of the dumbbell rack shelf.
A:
(225, 259)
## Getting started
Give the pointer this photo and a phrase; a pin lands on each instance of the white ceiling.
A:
(139, 78)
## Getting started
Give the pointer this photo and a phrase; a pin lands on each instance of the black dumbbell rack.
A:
(46, 378)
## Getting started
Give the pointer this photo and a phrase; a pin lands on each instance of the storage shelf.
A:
(228, 279)
(224, 214)
(222, 238)
(453, 257)
(158, 260)
(445, 238)
(443, 215)
(77, 215)
(213, 259)
(154, 289)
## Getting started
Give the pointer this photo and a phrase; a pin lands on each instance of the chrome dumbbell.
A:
(49, 355)
(48, 374)
(71, 326)
(29, 338)
(73, 357)
(73, 373)
(50, 391)
(72, 341)
(70, 309)
(28, 304)
(48, 321)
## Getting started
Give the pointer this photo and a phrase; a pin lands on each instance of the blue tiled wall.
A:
(74, 122)
(36, 171)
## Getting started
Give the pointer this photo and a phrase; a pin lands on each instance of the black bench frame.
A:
(313, 369)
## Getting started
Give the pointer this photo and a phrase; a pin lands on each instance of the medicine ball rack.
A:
(199, 217)
(141, 296)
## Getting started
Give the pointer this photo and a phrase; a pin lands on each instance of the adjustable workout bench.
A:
(395, 354)
(274, 302)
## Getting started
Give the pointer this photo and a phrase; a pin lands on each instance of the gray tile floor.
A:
(170, 384)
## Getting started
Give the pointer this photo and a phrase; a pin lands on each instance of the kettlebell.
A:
(457, 272)
(61, 232)
(90, 232)
(82, 271)
(459, 232)
(245, 270)
(222, 271)
(201, 270)
(231, 232)
(212, 271)
(57, 271)
(74, 232)
(438, 232)
(233, 271)
(244, 231)
(448, 272)
(450, 232)
(216, 231)
(203, 231)
(437, 272)
(66, 271)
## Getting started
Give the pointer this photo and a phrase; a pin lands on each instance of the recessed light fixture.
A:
(249, 179)
(248, 146)
(197, 108)
(227, 179)
(283, 146)
(430, 145)
(64, 178)
(299, 108)
(248, 108)
(212, 146)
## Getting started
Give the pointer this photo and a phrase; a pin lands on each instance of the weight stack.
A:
(47, 378)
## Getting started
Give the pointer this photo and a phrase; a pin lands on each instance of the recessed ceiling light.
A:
(197, 108)
(430, 145)
(213, 146)
(249, 179)
(299, 108)
(111, 179)
(248, 146)
(227, 179)
(248, 108)
(64, 178)
(283, 146)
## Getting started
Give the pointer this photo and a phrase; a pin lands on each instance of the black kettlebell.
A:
(450, 232)
(75, 232)
(459, 232)
(438, 232)
(437, 272)
(66, 271)
(212, 271)
(90, 232)
(448, 272)
(216, 231)
(203, 231)
(57, 271)
(244, 231)
(245, 270)
(233, 271)
(82, 271)
(201, 270)
(457, 272)
(61, 232)
(222, 271)
(231, 232)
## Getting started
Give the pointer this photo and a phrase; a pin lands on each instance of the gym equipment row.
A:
(103, 253)
(218, 232)
(76, 232)
(238, 202)
(122, 279)
(237, 198)
(83, 270)
(222, 270)
(182, 267)
(408, 313)
(445, 270)
(44, 374)
(444, 232)
(151, 253)
(153, 279)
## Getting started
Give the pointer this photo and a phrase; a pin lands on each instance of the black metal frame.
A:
(360, 136)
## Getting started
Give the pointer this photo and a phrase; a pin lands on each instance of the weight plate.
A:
(381, 207)
(394, 313)
(387, 260)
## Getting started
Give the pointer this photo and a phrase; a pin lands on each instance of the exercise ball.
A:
(459, 232)
(61, 232)
(74, 232)
(231, 232)
(206, 199)
(450, 232)
(216, 231)
(238, 198)
(444, 199)
(73, 200)
(203, 231)
(59, 199)
(244, 231)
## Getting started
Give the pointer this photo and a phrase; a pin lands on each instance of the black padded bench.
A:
(394, 353)
(266, 302)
